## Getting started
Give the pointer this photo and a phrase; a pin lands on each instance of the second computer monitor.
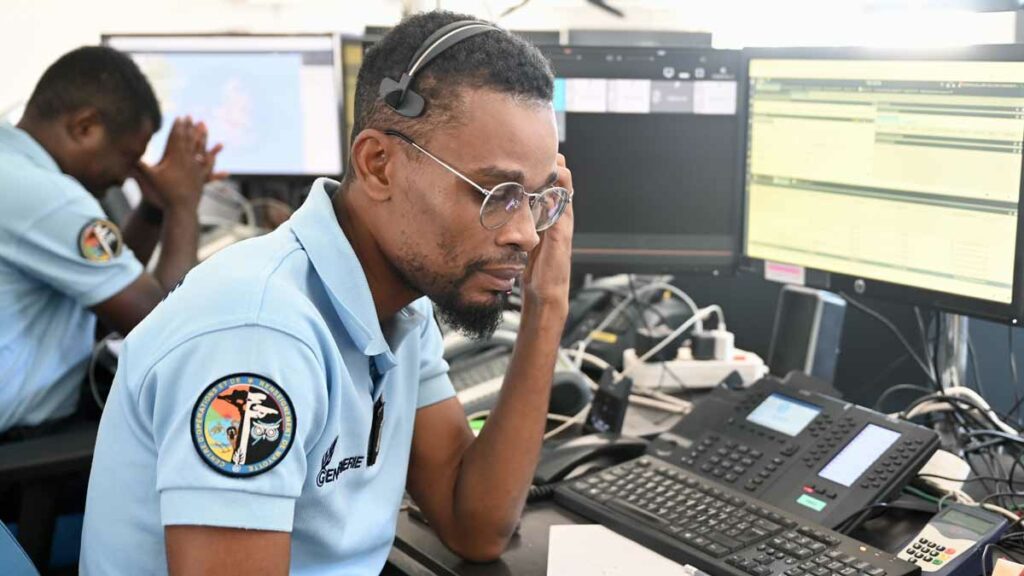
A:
(273, 101)
(889, 175)
(651, 136)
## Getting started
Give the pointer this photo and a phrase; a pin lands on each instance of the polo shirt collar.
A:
(328, 249)
(17, 140)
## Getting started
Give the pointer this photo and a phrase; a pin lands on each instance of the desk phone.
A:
(953, 540)
(809, 454)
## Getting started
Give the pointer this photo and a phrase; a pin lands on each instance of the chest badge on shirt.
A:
(100, 241)
(330, 473)
(243, 425)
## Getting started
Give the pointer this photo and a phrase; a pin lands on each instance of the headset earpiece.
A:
(399, 95)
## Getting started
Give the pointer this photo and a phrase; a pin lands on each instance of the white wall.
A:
(33, 33)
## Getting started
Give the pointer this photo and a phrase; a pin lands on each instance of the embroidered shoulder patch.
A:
(243, 425)
(100, 241)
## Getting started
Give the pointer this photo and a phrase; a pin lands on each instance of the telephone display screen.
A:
(784, 414)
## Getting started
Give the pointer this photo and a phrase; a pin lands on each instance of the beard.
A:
(476, 321)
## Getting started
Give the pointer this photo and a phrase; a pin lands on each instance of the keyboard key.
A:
(716, 550)
(722, 539)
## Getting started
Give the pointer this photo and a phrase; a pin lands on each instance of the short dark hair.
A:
(99, 77)
(496, 60)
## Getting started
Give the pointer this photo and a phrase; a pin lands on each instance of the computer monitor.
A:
(273, 101)
(894, 176)
(651, 137)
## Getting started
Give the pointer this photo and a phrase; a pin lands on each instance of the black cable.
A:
(930, 354)
(956, 405)
(951, 479)
(988, 497)
(937, 322)
(897, 388)
(640, 311)
(854, 521)
(896, 331)
(1013, 471)
(1004, 435)
(512, 9)
(973, 359)
(955, 402)
(538, 493)
(886, 371)
(1013, 374)
(1008, 533)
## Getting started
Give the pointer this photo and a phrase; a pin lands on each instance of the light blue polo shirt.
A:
(246, 400)
(58, 256)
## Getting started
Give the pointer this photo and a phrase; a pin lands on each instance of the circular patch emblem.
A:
(100, 241)
(243, 425)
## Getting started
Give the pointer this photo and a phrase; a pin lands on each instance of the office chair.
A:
(13, 559)
(40, 468)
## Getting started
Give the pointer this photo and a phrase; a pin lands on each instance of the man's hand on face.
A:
(177, 180)
(546, 279)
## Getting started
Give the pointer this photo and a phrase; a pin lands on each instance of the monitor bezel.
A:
(338, 88)
(849, 285)
(611, 264)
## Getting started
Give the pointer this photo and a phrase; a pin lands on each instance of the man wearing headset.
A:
(269, 416)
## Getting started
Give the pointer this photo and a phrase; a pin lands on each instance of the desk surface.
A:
(528, 553)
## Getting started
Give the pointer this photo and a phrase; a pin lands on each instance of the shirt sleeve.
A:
(76, 250)
(235, 413)
(435, 385)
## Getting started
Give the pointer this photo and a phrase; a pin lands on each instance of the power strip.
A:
(686, 373)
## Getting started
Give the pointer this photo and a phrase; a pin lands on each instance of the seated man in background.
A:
(62, 262)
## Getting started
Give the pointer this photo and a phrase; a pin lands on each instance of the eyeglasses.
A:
(502, 201)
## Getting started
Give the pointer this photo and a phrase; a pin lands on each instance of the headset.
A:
(399, 95)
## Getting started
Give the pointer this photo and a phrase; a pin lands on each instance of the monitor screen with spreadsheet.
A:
(899, 176)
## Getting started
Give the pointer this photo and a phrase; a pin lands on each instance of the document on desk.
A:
(593, 550)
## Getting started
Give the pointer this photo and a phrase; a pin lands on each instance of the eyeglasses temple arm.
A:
(441, 162)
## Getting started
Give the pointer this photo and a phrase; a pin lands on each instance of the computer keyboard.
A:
(716, 529)
(485, 367)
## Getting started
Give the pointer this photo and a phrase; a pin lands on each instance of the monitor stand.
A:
(952, 354)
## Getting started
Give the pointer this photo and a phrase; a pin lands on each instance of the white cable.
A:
(578, 417)
(963, 391)
(1003, 511)
(657, 400)
(93, 385)
(963, 498)
(703, 312)
(670, 407)
(607, 320)
(486, 413)
(682, 296)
